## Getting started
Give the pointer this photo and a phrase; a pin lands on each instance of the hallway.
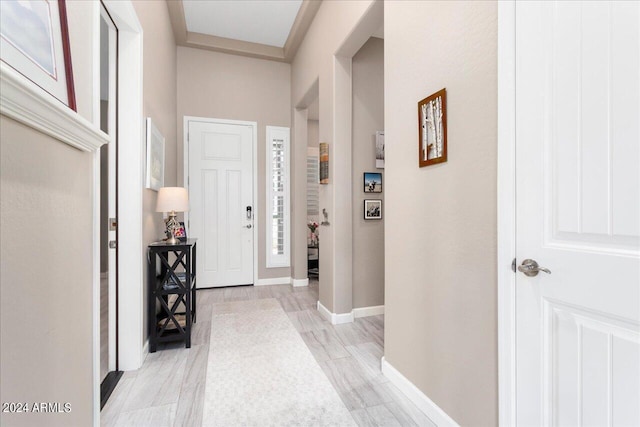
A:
(169, 388)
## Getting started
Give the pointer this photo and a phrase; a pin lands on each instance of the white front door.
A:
(578, 213)
(220, 183)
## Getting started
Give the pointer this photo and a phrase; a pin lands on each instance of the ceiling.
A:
(264, 22)
(270, 29)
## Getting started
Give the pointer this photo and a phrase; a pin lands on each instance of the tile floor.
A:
(169, 388)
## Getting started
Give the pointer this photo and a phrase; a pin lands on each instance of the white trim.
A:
(26, 103)
(324, 312)
(335, 318)
(339, 319)
(506, 214)
(284, 260)
(273, 281)
(374, 310)
(131, 349)
(97, 276)
(256, 207)
(413, 393)
(298, 283)
(185, 173)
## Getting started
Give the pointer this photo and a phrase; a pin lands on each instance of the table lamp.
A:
(172, 200)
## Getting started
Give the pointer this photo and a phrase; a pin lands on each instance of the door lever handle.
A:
(247, 226)
(530, 268)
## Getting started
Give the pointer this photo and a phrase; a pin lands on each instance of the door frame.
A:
(506, 208)
(130, 133)
(112, 270)
(254, 169)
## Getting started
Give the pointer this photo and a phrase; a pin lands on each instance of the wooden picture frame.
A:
(373, 209)
(432, 129)
(372, 182)
(324, 163)
(155, 157)
(34, 41)
(380, 149)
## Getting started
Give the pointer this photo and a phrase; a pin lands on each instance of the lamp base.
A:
(172, 225)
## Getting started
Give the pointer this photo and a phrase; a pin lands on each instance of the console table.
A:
(173, 290)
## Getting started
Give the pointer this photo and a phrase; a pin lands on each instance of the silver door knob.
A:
(531, 268)
(248, 226)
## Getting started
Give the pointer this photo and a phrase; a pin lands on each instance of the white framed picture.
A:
(34, 41)
(155, 157)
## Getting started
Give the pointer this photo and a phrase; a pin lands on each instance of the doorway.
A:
(219, 172)
(368, 183)
(569, 315)
(109, 372)
(313, 190)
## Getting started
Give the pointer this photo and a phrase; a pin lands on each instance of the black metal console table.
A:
(173, 291)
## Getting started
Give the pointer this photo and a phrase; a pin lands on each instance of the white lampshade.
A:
(172, 199)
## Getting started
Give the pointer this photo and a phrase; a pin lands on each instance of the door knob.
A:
(248, 226)
(531, 268)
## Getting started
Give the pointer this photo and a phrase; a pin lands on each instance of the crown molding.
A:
(300, 26)
(184, 37)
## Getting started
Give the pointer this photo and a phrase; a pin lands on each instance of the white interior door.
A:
(220, 182)
(108, 102)
(578, 213)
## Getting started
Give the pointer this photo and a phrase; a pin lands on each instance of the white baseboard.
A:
(334, 318)
(273, 281)
(374, 310)
(413, 393)
(324, 312)
(299, 282)
(337, 319)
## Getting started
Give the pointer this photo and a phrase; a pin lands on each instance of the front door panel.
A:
(220, 190)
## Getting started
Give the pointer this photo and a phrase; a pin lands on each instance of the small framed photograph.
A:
(372, 182)
(181, 232)
(380, 149)
(432, 129)
(373, 209)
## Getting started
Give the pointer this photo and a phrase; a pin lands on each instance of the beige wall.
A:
(368, 117)
(440, 308)
(45, 276)
(46, 262)
(159, 94)
(313, 130)
(222, 86)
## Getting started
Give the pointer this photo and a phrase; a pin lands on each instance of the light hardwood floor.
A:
(169, 388)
